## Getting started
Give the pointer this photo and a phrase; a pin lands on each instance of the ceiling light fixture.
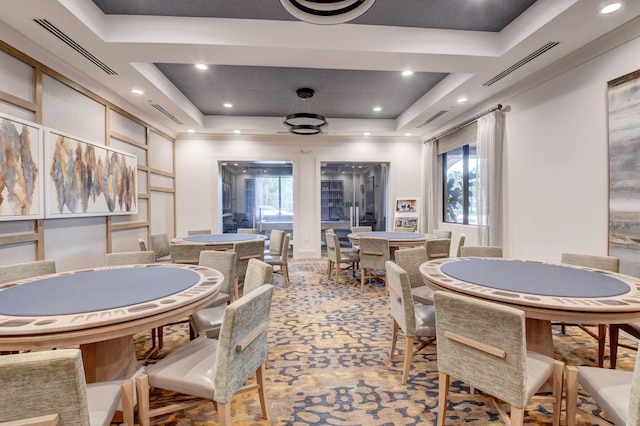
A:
(326, 12)
(462, 100)
(407, 73)
(227, 105)
(137, 92)
(610, 8)
(377, 108)
(201, 66)
(305, 123)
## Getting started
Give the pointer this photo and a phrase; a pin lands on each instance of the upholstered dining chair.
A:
(247, 231)
(374, 252)
(336, 257)
(617, 392)
(417, 322)
(605, 263)
(356, 229)
(216, 369)
(491, 355)
(410, 260)
(614, 334)
(438, 248)
(209, 320)
(160, 244)
(461, 240)
(224, 262)
(198, 232)
(404, 229)
(130, 258)
(275, 243)
(281, 261)
(20, 271)
(441, 233)
(481, 251)
(186, 253)
(51, 384)
(246, 250)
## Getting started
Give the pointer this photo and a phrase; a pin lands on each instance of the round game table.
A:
(218, 241)
(396, 239)
(544, 291)
(101, 309)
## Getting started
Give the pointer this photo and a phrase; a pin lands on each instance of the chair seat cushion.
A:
(209, 320)
(539, 369)
(422, 294)
(102, 401)
(425, 320)
(610, 389)
(349, 257)
(220, 299)
(189, 370)
(273, 259)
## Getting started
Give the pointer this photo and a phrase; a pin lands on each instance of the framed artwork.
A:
(407, 205)
(86, 179)
(623, 95)
(21, 173)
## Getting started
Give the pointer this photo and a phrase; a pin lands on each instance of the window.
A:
(459, 178)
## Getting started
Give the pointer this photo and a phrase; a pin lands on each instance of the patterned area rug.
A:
(329, 363)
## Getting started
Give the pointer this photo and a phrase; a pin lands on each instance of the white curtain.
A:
(489, 178)
(432, 185)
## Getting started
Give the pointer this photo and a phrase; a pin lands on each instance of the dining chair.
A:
(374, 252)
(224, 262)
(21, 271)
(442, 233)
(632, 329)
(404, 229)
(281, 261)
(247, 231)
(142, 244)
(216, 369)
(410, 260)
(417, 322)
(616, 392)
(186, 253)
(491, 356)
(246, 250)
(605, 263)
(356, 229)
(160, 244)
(438, 248)
(51, 384)
(209, 319)
(130, 258)
(275, 242)
(198, 232)
(481, 251)
(461, 240)
(336, 257)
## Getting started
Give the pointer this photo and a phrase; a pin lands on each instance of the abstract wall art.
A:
(21, 187)
(86, 179)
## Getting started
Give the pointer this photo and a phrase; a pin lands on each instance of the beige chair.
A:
(461, 240)
(160, 244)
(410, 260)
(198, 232)
(374, 252)
(281, 261)
(336, 257)
(216, 369)
(357, 229)
(605, 263)
(209, 320)
(617, 392)
(247, 231)
(142, 244)
(186, 253)
(224, 262)
(417, 322)
(130, 258)
(21, 271)
(275, 243)
(404, 229)
(442, 233)
(51, 384)
(246, 250)
(614, 332)
(491, 355)
(481, 251)
(438, 248)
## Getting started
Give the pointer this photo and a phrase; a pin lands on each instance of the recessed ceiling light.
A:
(377, 108)
(202, 66)
(227, 105)
(367, 133)
(407, 134)
(462, 100)
(236, 131)
(610, 8)
(191, 131)
(137, 92)
(407, 73)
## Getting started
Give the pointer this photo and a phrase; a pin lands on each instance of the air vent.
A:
(430, 119)
(522, 62)
(167, 113)
(75, 46)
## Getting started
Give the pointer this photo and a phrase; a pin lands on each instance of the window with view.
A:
(459, 178)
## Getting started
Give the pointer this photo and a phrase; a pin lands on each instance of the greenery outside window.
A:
(459, 178)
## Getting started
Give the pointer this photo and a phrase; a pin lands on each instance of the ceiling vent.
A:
(522, 62)
(74, 45)
(432, 118)
(167, 113)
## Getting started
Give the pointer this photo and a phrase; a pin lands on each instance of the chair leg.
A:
(127, 402)
(572, 394)
(224, 413)
(329, 266)
(602, 339)
(236, 288)
(362, 278)
(160, 337)
(408, 354)
(142, 389)
(262, 393)
(338, 272)
(285, 274)
(517, 416)
(614, 334)
(394, 339)
(558, 379)
(443, 393)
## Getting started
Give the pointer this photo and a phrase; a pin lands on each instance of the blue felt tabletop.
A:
(391, 235)
(220, 238)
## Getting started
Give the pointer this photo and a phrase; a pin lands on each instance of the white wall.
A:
(198, 194)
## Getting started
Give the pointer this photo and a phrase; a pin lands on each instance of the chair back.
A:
(275, 241)
(460, 245)
(44, 382)
(633, 417)
(441, 233)
(223, 261)
(247, 231)
(142, 244)
(20, 271)
(258, 273)
(410, 260)
(483, 344)
(404, 229)
(606, 263)
(242, 344)
(400, 298)
(129, 258)
(333, 246)
(253, 249)
(198, 232)
(357, 229)
(284, 253)
(374, 252)
(186, 253)
(438, 248)
(160, 244)
(481, 251)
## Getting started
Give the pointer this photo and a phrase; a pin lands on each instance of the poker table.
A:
(218, 241)
(100, 310)
(396, 239)
(545, 291)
